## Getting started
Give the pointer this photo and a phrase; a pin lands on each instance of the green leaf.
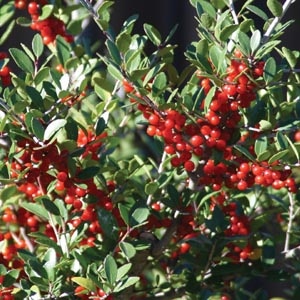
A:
(9, 192)
(151, 188)
(37, 45)
(296, 152)
(22, 60)
(265, 125)
(270, 70)
(113, 51)
(49, 205)
(85, 282)
(268, 253)
(262, 156)
(281, 140)
(123, 41)
(289, 56)
(88, 173)
(36, 209)
(53, 128)
(257, 11)
(261, 145)
(153, 34)
(11, 277)
(50, 259)
(63, 50)
(255, 41)
(42, 239)
(6, 13)
(159, 84)
(244, 42)
(244, 151)
(37, 128)
(37, 267)
(46, 11)
(128, 249)
(124, 212)
(127, 283)
(108, 223)
(275, 7)
(208, 8)
(6, 34)
(114, 72)
(278, 155)
(139, 215)
(227, 31)
(100, 125)
(35, 97)
(123, 271)
(217, 57)
(104, 14)
(110, 269)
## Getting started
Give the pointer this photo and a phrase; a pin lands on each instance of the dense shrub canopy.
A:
(125, 178)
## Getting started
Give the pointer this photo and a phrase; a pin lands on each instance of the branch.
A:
(276, 21)
(290, 223)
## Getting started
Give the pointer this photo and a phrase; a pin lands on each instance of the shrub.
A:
(125, 178)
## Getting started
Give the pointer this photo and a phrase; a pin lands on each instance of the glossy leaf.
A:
(153, 34)
(85, 282)
(275, 7)
(261, 145)
(259, 12)
(63, 50)
(50, 206)
(227, 31)
(128, 249)
(37, 45)
(37, 128)
(139, 215)
(270, 70)
(159, 84)
(36, 209)
(111, 269)
(255, 41)
(53, 128)
(22, 60)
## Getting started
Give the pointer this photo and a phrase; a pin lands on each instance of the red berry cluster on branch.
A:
(49, 27)
(194, 141)
(45, 171)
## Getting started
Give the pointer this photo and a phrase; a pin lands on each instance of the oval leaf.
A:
(22, 60)
(275, 7)
(111, 269)
(53, 127)
(153, 34)
(37, 45)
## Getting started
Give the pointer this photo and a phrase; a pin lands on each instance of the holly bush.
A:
(123, 177)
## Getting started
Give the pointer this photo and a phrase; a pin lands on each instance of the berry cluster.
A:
(195, 141)
(50, 27)
(194, 144)
(5, 71)
(43, 170)
(239, 226)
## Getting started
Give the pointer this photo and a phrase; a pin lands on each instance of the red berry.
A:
(184, 248)
(33, 8)
(189, 166)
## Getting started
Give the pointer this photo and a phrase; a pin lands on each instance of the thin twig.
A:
(233, 13)
(236, 22)
(290, 223)
(276, 21)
